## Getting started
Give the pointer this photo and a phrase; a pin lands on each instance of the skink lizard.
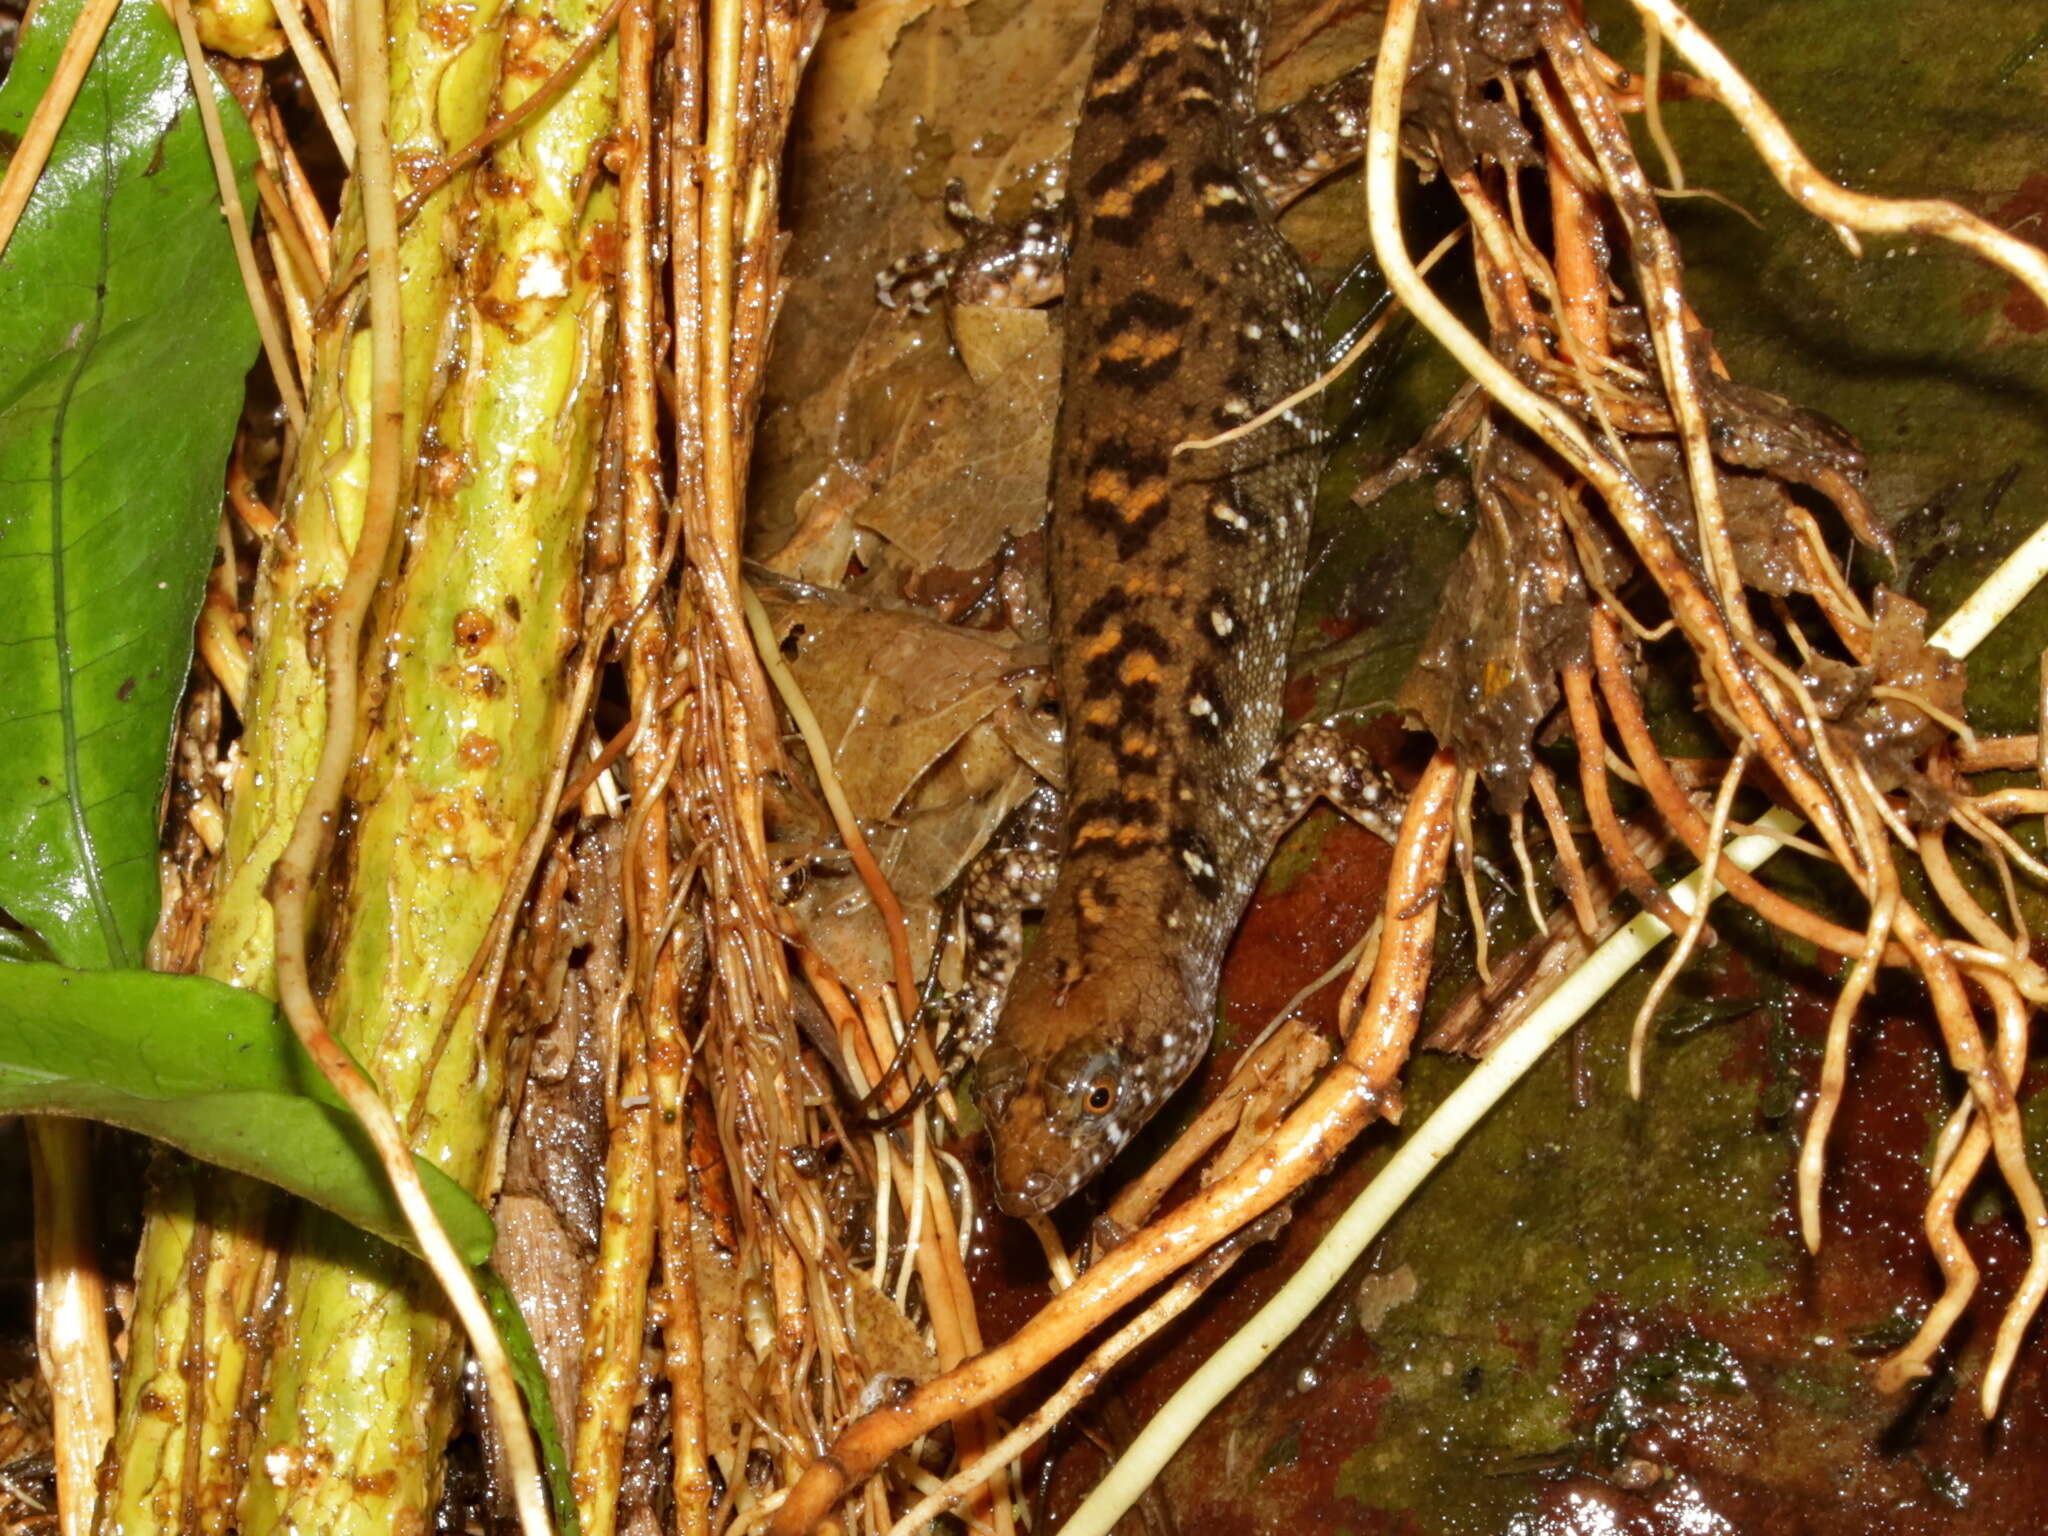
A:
(1174, 578)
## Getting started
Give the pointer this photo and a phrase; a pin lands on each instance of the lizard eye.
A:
(1088, 1080)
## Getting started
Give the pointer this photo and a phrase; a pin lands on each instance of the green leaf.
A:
(16, 945)
(121, 379)
(533, 1386)
(214, 1071)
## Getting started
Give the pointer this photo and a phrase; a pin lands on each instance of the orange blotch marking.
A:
(1105, 642)
(1118, 83)
(1120, 202)
(1141, 667)
(1089, 904)
(1135, 345)
(1100, 830)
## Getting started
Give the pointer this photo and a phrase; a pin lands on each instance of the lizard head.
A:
(1079, 1064)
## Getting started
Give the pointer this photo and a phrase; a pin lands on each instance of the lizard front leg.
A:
(1285, 153)
(1013, 875)
(1315, 763)
(1016, 265)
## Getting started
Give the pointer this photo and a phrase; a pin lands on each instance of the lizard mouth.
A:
(1036, 1168)
(1041, 1158)
(1033, 1174)
(1030, 1174)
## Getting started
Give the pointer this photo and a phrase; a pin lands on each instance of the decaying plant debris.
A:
(641, 855)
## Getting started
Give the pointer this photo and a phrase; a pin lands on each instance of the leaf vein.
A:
(103, 907)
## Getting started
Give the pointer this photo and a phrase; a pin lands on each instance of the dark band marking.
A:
(1229, 38)
(1117, 827)
(1147, 312)
(1115, 838)
(1141, 346)
(1121, 805)
(1094, 619)
(1119, 78)
(1128, 191)
(1140, 150)
(1155, 21)
(1135, 503)
(1139, 361)
(1126, 494)
(1130, 668)
(1213, 36)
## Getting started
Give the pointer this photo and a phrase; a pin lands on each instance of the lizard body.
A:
(1174, 581)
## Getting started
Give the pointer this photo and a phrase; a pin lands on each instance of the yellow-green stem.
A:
(470, 685)
(169, 1449)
